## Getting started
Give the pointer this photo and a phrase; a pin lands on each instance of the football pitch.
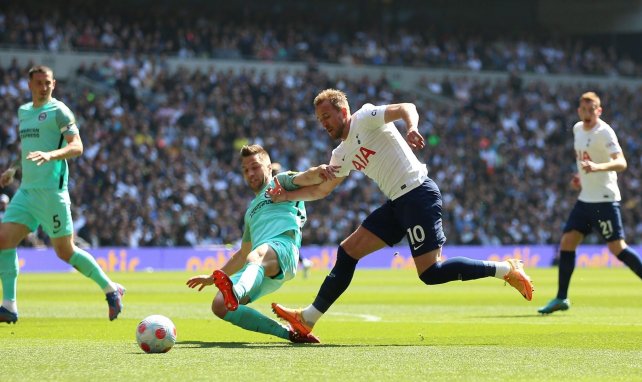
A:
(387, 326)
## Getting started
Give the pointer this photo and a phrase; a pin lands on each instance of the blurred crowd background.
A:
(161, 165)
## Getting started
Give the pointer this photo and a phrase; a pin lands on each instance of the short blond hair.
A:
(337, 98)
(591, 97)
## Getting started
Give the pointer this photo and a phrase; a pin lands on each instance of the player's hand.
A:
(39, 157)
(277, 193)
(415, 140)
(7, 177)
(576, 184)
(200, 280)
(589, 166)
(328, 172)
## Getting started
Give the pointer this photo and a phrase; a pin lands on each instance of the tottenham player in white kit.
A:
(371, 143)
(599, 158)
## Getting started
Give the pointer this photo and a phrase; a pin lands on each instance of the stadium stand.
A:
(161, 143)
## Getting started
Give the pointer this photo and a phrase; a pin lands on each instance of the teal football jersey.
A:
(265, 220)
(43, 129)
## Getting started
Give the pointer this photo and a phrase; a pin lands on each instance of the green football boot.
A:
(554, 305)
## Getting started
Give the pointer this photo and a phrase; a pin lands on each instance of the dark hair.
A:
(40, 69)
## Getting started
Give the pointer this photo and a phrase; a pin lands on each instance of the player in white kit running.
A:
(599, 158)
(371, 143)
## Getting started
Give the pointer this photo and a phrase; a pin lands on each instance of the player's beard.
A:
(337, 132)
(257, 185)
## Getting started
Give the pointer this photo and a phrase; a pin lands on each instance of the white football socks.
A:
(111, 287)
(10, 305)
(501, 268)
(311, 314)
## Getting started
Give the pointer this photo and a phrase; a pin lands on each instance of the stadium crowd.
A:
(161, 167)
(196, 32)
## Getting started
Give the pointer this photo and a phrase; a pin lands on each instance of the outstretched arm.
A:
(408, 113)
(233, 265)
(308, 193)
(316, 175)
(238, 259)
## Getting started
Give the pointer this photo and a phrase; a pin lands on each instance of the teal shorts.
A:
(49, 208)
(287, 254)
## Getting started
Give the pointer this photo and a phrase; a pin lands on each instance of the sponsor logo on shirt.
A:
(360, 161)
(29, 133)
(259, 206)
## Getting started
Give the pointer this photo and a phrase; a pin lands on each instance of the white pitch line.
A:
(365, 317)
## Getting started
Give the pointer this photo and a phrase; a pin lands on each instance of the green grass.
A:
(387, 326)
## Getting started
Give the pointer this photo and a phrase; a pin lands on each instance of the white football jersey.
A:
(379, 151)
(596, 145)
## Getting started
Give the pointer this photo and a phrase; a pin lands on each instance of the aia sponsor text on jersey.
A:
(360, 161)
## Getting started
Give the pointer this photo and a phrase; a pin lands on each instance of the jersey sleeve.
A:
(337, 159)
(611, 142)
(66, 121)
(287, 180)
(370, 117)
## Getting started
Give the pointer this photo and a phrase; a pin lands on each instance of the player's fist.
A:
(328, 172)
(576, 184)
(277, 193)
(590, 166)
(415, 139)
(7, 177)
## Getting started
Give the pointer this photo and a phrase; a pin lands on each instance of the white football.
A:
(156, 334)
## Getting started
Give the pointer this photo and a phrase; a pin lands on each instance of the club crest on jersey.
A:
(360, 161)
(42, 116)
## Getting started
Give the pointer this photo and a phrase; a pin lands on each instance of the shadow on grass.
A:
(242, 345)
(272, 345)
(515, 316)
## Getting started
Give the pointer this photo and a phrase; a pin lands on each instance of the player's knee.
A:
(616, 246)
(570, 240)
(10, 237)
(360, 243)
(218, 307)
(64, 249)
(432, 275)
(4, 241)
(64, 256)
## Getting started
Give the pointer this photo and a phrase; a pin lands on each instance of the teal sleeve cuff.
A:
(287, 180)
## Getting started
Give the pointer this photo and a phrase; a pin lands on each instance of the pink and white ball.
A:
(156, 334)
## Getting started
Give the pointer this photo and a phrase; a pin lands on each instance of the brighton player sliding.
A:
(372, 144)
(269, 253)
(599, 158)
